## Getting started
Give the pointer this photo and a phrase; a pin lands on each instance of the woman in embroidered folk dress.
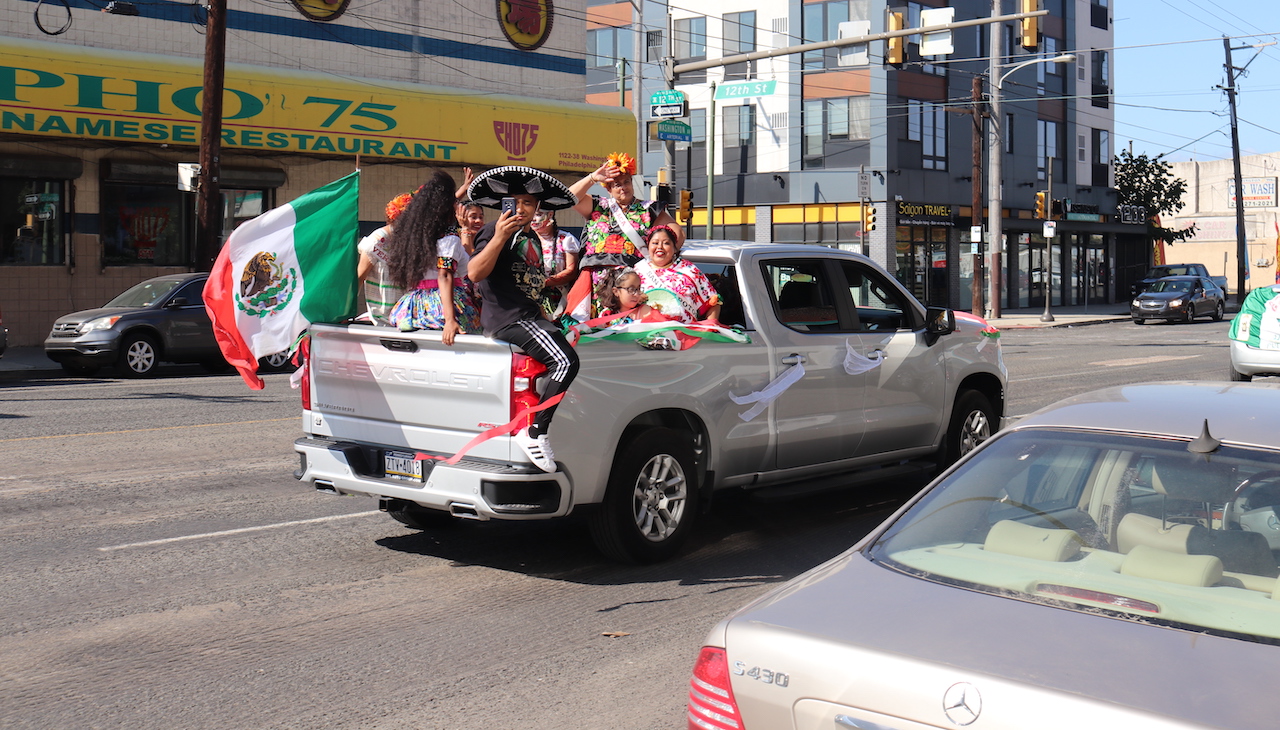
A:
(428, 258)
(615, 230)
(674, 286)
(560, 252)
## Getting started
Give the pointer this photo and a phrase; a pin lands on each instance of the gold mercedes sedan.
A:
(1108, 562)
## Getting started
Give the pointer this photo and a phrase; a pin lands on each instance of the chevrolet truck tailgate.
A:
(376, 385)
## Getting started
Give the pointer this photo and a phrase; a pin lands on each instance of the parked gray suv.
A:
(160, 319)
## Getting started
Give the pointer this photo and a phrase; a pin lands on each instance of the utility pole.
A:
(976, 286)
(1242, 246)
(209, 190)
(995, 204)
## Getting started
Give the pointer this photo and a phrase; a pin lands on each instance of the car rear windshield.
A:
(1103, 523)
(144, 294)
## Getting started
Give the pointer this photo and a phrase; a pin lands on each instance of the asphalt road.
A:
(162, 569)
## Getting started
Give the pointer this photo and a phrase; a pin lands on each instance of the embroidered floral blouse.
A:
(604, 243)
(679, 291)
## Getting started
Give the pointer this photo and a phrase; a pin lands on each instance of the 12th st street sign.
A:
(668, 103)
(744, 89)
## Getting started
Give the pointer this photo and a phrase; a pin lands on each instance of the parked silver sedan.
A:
(1106, 563)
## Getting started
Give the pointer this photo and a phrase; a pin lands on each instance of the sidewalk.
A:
(25, 362)
(1014, 319)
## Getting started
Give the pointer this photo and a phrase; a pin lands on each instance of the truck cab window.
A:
(724, 279)
(878, 304)
(803, 296)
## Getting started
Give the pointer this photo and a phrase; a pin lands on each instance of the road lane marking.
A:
(145, 430)
(237, 531)
(1130, 361)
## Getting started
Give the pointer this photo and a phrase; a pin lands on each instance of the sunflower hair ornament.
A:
(397, 205)
(623, 161)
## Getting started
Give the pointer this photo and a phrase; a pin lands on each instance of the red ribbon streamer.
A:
(507, 428)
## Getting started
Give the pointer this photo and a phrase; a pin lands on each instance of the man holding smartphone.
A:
(508, 270)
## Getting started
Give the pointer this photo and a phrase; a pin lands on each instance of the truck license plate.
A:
(401, 465)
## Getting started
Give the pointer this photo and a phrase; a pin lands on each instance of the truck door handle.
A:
(794, 359)
(877, 354)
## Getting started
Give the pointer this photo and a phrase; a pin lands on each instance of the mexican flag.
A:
(1258, 323)
(283, 270)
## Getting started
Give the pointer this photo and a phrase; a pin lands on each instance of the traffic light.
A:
(1042, 205)
(686, 206)
(893, 52)
(868, 218)
(1029, 37)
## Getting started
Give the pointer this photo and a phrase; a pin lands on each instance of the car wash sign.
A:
(56, 90)
(1259, 192)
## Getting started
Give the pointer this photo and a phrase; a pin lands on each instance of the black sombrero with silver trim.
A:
(491, 186)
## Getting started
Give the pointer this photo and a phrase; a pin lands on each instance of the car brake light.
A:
(524, 392)
(711, 703)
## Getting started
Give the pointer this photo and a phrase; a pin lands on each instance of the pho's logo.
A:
(321, 9)
(265, 287)
(516, 138)
(525, 23)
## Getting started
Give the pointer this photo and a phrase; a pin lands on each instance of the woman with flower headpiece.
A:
(380, 293)
(615, 231)
(673, 286)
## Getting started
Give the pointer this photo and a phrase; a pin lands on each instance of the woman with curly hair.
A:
(426, 256)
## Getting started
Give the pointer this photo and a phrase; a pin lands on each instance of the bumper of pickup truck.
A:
(473, 489)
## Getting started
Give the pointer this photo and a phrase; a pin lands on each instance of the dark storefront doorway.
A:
(922, 262)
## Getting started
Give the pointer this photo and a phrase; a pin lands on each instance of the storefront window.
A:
(31, 216)
(146, 224)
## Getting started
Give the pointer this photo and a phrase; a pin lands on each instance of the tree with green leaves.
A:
(1149, 182)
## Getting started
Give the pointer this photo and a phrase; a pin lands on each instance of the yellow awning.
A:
(60, 90)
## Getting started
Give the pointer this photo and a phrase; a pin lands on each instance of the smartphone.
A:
(509, 205)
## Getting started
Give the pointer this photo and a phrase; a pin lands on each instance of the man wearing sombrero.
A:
(508, 269)
(617, 226)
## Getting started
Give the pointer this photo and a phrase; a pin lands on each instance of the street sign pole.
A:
(711, 165)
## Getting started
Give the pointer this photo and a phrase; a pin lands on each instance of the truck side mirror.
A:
(939, 321)
(175, 303)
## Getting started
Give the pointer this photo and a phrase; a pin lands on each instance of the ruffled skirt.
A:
(420, 309)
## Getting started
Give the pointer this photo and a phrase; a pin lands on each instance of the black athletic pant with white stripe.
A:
(542, 341)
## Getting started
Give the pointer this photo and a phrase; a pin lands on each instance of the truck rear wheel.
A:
(651, 499)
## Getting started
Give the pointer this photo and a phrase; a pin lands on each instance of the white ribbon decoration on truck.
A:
(856, 364)
(770, 393)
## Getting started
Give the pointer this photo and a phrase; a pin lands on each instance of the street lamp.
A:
(995, 223)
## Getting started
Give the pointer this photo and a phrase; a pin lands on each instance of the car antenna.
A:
(1205, 443)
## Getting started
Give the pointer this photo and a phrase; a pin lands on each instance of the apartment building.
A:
(788, 155)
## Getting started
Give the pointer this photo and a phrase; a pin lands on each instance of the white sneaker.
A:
(538, 449)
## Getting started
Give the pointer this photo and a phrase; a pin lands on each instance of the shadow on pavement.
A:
(740, 540)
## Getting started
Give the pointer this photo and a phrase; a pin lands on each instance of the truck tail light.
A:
(711, 703)
(524, 392)
(304, 354)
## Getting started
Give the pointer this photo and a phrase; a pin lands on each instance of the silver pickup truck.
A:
(867, 383)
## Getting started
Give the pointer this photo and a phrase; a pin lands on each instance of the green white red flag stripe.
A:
(281, 271)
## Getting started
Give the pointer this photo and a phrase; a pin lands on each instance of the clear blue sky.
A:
(1164, 88)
